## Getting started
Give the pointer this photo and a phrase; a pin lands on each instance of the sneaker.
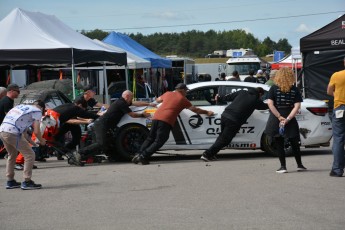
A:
(18, 166)
(206, 158)
(29, 185)
(333, 174)
(140, 159)
(301, 168)
(282, 170)
(12, 184)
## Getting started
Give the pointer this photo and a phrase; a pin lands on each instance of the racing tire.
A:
(129, 140)
(266, 144)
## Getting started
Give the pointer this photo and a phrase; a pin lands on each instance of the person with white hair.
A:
(260, 77)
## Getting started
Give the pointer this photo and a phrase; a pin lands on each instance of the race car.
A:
(193, 131)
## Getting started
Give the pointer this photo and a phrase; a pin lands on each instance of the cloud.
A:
(303, 28)
(169, 16)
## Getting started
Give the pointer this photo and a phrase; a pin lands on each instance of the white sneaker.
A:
(282, 170)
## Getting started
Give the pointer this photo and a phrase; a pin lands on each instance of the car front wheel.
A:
(130, 139)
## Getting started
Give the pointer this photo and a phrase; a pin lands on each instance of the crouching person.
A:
(109, 120)
(15, 123)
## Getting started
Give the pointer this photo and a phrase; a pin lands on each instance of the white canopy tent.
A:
(37, 39)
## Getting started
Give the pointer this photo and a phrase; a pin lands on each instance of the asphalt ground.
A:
(240, 191)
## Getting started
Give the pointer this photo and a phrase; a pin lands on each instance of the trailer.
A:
(242, 65)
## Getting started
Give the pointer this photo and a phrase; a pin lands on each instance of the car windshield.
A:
(242, 68)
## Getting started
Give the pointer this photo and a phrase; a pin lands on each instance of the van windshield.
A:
(242, 68)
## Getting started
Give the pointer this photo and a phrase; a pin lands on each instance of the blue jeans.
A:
(338, 126)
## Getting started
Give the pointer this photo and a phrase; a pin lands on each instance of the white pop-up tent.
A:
(34, 38)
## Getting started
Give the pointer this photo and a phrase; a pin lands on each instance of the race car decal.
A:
(178, 131)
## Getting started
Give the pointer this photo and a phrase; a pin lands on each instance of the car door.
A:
(195, 129)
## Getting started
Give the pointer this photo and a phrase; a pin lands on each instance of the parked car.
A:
(64, 85)
(143, 91)
(193, 131)
(51, 97)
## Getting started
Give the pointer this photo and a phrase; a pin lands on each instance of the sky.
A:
(290, 19)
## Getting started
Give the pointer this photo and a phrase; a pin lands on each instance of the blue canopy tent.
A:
(128, 44)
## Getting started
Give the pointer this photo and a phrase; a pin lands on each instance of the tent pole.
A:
(105, 84)
(73, 76)
(126, 73)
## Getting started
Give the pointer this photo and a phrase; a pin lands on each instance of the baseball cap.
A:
(12, 87)
(181, 86)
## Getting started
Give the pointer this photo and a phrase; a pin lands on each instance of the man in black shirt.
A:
(88, 99)
(109, 120)
(7, 102)
(69, 111)
(234, 116)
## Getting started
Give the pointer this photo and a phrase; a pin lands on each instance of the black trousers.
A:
(75, 131)
(279, 144)
(159, 134)
(99, 140)
(229, 129)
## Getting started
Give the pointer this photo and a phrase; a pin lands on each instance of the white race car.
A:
(193, 131)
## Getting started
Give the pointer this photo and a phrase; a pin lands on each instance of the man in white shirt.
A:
(15, 123)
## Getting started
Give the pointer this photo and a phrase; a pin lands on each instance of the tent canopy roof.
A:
(133, 61)
(37, 38)
(329, 37)
(128, 44)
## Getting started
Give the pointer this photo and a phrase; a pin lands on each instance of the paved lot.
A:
(240, 191)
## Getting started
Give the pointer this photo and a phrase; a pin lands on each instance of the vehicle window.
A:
(233, 89)
(49, 102)
(202, 96)
(57, 100)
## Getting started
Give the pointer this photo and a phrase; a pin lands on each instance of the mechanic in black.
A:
(70, 111)
(234, 116)
(7, 102)
(88, 98)
(109, 120)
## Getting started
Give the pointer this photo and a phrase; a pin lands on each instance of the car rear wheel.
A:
(129, 140)
(266, 143)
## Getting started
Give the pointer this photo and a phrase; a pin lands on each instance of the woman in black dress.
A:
(284, 101)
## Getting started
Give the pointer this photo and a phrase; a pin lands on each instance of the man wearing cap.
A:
(88, 98)
(163, 121)
(7, 102)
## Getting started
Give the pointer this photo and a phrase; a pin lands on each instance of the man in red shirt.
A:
(163, 121)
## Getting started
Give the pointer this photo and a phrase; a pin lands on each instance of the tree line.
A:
(197, 44)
